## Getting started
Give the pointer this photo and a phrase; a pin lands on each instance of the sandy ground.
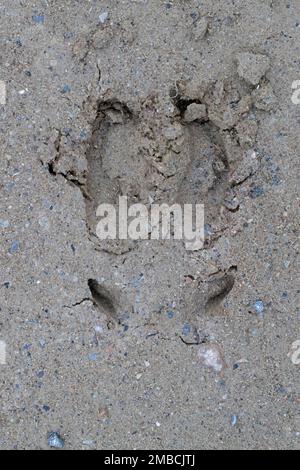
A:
(132, 345)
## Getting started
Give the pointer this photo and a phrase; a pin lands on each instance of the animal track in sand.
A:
(176, 149)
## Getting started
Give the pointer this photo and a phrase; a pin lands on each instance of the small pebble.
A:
(232, 204)
(257, 191)
(14, 247)
(252, 67)
(186, 329)
(195, 112)
(48, 205)
(103, 17)
(208, 230)
(211, 356)
(83, 134)
(234, 420)
(39, 19)
(103, 413)
(65, 89)
(259, 307)
(4, 223)
(55, 441)
(93, 357)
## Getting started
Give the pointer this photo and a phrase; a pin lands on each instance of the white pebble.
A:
(103, 17)
(210, 356)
